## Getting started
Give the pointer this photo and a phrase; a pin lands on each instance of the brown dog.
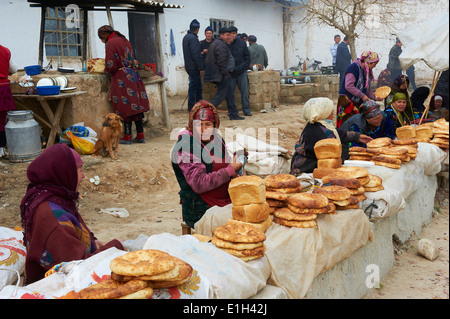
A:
(108, 141)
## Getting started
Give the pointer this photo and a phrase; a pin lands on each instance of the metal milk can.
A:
(23, 136)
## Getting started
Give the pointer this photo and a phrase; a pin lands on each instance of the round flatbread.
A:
(382, 92)
(308, 200)
(287, 214)
(293, 223)
(282, 181)
(393, 151)
(276, 203)
(111, 289)
(333, 192)
(389, 165)
(405, 141)
(246, 252)
(238, 246)
(241, 233)
(286, 190)
(374, 180)
(166, 284)
(276, 195)
(374, 189)
(142, 263)
(386, 159)
(352, 206)
(346, 182)
(298, 210)
(145, 293)
(379, 142)
(357, 191)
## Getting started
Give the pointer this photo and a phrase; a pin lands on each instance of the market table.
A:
(54, 118)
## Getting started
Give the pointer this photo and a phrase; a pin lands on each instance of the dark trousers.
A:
(242, 83)
(223, 90)
(195, 88)
(395, 74)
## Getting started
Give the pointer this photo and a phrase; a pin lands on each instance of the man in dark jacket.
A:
(193, 63)
(219, 64)
(343, 58)
(394, 63)
(241, 56)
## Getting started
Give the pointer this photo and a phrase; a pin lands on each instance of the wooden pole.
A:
(41, 36)
(435, 79)
(159, 68)
(108, 13)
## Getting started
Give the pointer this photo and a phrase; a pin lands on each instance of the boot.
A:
(126, 139)
(140, 132)
(139, 138)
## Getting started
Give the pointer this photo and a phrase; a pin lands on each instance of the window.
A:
(216, 24)
(61, 41)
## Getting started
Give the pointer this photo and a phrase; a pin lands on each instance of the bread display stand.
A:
(327, 261)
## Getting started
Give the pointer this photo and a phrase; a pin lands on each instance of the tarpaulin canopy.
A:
(427, 41)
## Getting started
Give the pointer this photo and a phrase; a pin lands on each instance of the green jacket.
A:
(258, 55)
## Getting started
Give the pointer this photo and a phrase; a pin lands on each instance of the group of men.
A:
(224, 62)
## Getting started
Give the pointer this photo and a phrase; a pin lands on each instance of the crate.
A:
(18, 89)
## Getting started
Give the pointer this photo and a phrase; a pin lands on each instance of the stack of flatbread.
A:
(358, 153)
(424, 133)
(339, 196)
(378, 143)
(410, 144)
(441, 134)
(135, 274)
(240, 240)
(352, 184)
(248, 195)
(399, 153)
(302, 210)
(328, 153)
(279, 187)
(375, 184)
(405, 131)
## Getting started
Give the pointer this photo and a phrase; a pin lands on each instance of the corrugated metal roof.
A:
(111, 3)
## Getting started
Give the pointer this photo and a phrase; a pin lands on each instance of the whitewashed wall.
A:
(261, 19)
(313, 41)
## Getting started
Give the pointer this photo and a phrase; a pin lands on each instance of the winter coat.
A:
(217, 62)
(192, 52)
(241, 55)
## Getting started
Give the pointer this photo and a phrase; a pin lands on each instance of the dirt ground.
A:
(142, 182)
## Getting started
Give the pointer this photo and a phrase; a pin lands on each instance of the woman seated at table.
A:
(355, 88)
(395, 111)
(202, 165)
(317, 112)
(371, 121)
(54, 230)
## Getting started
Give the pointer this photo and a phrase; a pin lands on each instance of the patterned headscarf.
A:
(370, 109)
(369, 57)
(210, 114)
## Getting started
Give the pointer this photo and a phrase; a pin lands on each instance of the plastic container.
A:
(33, 70)
(23, 136)
(48, 90)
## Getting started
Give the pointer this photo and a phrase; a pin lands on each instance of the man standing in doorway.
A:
(219, 64)
(241, 56)
(193, 63)
(394, 63)
(333, 49)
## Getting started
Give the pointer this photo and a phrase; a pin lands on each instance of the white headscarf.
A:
(317, 110)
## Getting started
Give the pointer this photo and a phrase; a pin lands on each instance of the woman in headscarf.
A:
(370, 121)
(54, 230)
(127, 92)
(436, 108)
(355, 88)
(317, 112)
(396, 111)
(400, 85)
(7, 67)
(202, 165)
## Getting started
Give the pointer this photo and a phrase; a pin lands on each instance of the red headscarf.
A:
(203, 111)
(53, 177)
